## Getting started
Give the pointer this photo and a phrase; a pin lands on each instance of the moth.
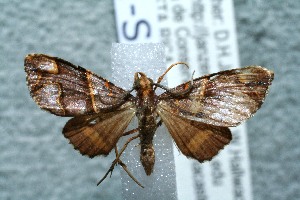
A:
(197, 113)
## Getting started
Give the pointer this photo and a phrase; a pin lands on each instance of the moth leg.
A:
(129, 174)
(130, 132)
(124, 166)
(118, 161)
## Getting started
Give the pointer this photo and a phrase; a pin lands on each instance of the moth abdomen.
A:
(147, 157)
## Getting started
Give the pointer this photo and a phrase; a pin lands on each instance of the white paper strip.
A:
(148, 58)
(201, 33)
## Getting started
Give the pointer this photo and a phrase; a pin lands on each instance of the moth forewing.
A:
(64, 89)
(224, 99)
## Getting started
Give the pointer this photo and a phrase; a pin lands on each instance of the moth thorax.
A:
(148, 158)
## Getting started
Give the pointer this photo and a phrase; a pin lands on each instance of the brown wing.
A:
(195, 139)
(68, 90)
(98, 134)
(224, 99)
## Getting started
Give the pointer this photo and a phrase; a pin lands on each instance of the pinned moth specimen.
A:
(197, 113)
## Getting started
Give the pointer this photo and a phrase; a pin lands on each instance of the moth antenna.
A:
(177, 94)
(169, 68)
(181, 93)
(192, 79)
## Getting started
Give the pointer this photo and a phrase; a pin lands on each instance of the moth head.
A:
(141, 81)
